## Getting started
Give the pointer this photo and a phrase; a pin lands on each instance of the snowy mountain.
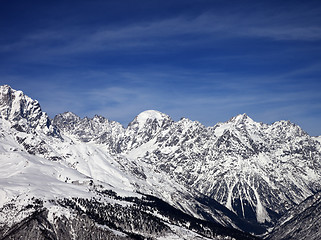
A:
(55, 184)
(256, 170)
(301, 222)
(131, 174)
(190, 181)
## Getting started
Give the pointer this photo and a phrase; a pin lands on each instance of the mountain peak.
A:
(241, 118)
(15, 105)
(150, 116)
(69, 115)
(23, 113)
(66, 121)
(4, 87)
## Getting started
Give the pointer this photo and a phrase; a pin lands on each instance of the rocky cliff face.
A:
(24, 114)
(301, 222)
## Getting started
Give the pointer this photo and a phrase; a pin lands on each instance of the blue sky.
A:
(204, 60)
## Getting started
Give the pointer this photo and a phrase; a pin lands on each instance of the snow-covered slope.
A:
(240, 173)
(258, 171)
(124, 172)
(54, 183)
(41, 199)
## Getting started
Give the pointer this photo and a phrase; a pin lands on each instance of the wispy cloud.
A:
(286, 33)
(206, 66)
(175, 32)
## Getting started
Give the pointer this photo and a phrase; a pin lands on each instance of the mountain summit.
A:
(148, 117)
(23, 113)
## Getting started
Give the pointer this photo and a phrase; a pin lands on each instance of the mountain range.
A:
(79, 178)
